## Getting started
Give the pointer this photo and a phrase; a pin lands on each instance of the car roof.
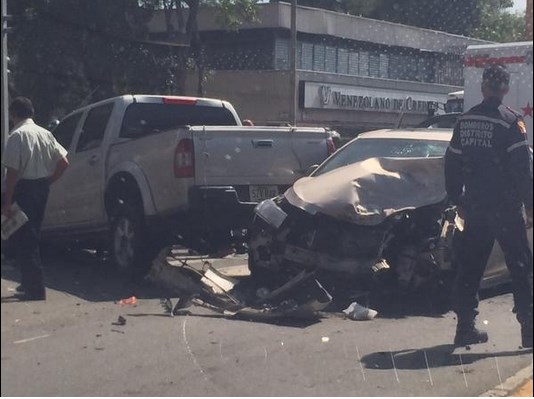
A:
(411, 134)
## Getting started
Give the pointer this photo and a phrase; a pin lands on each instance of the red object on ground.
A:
(128, 301)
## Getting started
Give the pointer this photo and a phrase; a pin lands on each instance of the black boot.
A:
(468, 334)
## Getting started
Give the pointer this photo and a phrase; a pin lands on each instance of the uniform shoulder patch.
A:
(513, 111)
(522, 126)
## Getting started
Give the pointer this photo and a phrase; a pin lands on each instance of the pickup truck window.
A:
(145, 119)
(94, 128)
(64, 132)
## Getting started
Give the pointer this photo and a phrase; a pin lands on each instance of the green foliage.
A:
(500, 26)
(484, 19)
(67, 53)
(232, 13)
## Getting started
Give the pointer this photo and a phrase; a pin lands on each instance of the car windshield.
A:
(362, 149)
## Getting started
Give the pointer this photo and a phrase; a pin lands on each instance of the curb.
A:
(512, 384)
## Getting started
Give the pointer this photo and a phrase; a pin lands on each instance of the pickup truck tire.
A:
(130, 244)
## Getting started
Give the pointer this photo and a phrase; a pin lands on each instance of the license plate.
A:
(260, 193)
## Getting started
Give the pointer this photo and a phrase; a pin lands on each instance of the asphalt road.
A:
(70, 345)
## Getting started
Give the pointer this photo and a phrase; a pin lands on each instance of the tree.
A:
(499, 25)
(66, 53)
(484, 19)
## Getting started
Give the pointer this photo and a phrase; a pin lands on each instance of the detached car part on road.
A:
(373, 216)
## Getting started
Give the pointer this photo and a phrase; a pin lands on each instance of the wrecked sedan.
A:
(374, 216)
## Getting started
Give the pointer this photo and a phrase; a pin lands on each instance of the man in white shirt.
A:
(34, 160)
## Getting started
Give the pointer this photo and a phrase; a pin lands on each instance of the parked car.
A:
(374, 214)
(146, 167)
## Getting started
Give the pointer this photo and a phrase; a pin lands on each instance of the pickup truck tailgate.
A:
(256, 155)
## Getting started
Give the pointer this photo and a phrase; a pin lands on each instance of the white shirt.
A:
(32, 151)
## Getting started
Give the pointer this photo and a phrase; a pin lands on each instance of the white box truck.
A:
(518, 59)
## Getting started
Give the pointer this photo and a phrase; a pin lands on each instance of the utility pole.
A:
(5, 58)
(293, 63)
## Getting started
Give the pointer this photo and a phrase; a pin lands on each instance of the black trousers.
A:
(31, 196)
(481, 231)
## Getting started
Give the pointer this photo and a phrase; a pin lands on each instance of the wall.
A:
(264, 97)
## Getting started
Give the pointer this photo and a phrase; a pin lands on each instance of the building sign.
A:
(335, 96)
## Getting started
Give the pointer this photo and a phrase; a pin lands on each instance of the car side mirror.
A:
(312, 169)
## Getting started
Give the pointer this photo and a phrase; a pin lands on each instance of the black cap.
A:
(496, 77)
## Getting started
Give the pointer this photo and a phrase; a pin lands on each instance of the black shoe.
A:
(20, 288)
(470, 336)
(526, 336)
(30, 297)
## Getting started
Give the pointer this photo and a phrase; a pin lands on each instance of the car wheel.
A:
(129, 242)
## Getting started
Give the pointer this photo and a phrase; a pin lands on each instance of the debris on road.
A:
(355, 311)
(121, 321)
(301, 296)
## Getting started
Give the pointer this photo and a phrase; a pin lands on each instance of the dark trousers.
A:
(481, 231)
(31, 196)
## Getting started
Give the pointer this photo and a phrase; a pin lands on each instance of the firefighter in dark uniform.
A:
(488, 171)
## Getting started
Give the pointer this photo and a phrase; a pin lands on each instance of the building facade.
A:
(352, 73)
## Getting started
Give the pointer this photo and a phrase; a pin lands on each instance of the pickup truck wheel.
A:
(129, 242)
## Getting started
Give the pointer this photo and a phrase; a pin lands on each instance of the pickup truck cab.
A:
(145, 166)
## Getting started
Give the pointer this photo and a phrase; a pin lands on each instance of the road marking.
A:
(265, 354)
(428, 368)
(498, 371)
(190, 351)
(23, 341)
(345, 351)
(463, 371)
(394, 366)
(360, 360)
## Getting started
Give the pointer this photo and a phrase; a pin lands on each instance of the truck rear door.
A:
(518, 59)
(259, 162)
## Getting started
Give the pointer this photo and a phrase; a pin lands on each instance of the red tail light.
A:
(184, 159)
(179, 100)
(331, 147)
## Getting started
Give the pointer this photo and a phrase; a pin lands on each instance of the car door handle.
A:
(262, 143)
(93, 159)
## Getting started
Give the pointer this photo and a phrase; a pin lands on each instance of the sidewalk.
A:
(519, 385)
(525, 390)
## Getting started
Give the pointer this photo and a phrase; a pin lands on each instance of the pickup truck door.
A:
(55, 214)
(82, 183)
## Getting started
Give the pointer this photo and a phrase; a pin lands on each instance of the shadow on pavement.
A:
(433, 357)
(84, 275)
(282, 322)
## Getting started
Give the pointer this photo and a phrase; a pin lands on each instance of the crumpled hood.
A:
(367, 192)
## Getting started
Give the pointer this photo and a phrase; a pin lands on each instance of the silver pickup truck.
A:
(145, 168)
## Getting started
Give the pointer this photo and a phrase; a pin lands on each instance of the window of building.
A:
(307, 57)
(364, 63)
(342, 61)
(319, 52)
(384, 66)
(331, 59)
(374, 65)
(354, 63)
(281, 54)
